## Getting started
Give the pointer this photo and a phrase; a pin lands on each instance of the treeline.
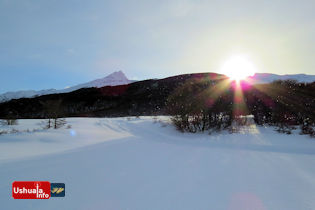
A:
(196, 102)
(284, 104)
(201, 105)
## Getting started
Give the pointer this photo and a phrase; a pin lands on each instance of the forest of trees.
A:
(201, 105)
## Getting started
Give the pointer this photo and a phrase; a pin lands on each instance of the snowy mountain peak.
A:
(117, 75)
(113, 79)
(116, 78)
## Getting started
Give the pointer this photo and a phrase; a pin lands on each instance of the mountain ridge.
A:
(146, 97)
(113, 79)
(270, 77)
(119, 78)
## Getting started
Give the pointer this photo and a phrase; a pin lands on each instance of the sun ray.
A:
(239, 104)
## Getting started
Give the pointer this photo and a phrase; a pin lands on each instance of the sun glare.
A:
(238, 68)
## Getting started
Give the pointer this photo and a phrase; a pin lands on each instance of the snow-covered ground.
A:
(122, 163)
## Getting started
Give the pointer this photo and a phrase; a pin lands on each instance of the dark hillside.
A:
(146, 97)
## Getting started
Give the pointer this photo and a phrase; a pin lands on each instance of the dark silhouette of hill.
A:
(146, 97)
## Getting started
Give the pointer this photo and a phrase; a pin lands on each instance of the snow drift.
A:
(130, 163)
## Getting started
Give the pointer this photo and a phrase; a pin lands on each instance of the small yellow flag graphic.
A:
(57, 190)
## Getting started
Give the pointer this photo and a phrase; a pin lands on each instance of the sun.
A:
(238, 67)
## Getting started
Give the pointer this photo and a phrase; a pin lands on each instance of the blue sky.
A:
(54, 43)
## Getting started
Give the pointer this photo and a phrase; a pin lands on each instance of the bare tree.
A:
(9, 120)
(53, 114)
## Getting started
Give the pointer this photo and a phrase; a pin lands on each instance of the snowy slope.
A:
(116, 78)
(266, 77)
(24, 94)
(123, 163)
